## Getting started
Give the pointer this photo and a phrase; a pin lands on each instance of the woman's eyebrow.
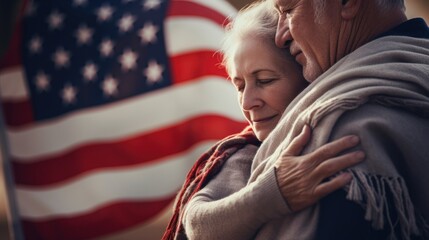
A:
(261, 70)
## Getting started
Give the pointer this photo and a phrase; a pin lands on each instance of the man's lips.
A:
(295, 51)
(297, 54)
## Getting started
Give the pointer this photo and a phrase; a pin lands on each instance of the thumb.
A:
(298, 143)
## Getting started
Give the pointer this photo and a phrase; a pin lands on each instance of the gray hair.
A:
(259, 19)
(384, 5)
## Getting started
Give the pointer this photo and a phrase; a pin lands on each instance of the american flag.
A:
(107, 105)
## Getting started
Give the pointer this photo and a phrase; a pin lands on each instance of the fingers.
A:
(333, 165)
(298, 143)
(332, 185)
(334, 148)
(301, 177)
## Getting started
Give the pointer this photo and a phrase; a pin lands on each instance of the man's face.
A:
(312, 41)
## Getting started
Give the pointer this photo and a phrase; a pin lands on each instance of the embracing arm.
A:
(228, 209)
(218, 212)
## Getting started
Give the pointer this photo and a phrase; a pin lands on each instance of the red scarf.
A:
(204, 169)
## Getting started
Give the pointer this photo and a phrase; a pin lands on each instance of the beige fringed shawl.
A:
(390, 73)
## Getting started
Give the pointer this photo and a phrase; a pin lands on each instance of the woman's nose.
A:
(250, 99)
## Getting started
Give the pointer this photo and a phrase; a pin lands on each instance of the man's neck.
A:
(370, 23)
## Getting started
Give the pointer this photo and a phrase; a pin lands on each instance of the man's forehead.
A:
(277, 3)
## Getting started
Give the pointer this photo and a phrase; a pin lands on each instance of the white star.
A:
(79, 2)
(69, 94)
(148, 33)
(84, 34)
(106, 48)
(42, 81)
(128, 60)
(126, 22)
(61, 58)
(151, 4)
(153, 72)
(110, 86)
(89, 72)
(35, 44)
(104, 13)
(55, 20)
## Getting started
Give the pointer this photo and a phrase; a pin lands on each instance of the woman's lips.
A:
(263, 119)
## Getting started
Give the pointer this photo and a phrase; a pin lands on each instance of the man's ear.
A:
(350, 8)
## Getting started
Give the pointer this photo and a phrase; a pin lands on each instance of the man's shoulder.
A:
(415, 27)
(375, 119)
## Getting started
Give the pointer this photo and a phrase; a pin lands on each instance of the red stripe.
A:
(18, 113)
(137, 150)
(12, 56)
(103, 221)
(188, 66)
(184, 8)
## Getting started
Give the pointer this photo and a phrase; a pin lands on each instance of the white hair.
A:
(259, 19)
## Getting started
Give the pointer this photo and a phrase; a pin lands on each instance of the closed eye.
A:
(265, 81)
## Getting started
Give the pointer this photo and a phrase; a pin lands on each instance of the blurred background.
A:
(415, 8)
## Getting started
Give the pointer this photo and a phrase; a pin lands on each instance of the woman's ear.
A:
(350, 8)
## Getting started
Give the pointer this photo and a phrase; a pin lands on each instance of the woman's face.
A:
(267, 80)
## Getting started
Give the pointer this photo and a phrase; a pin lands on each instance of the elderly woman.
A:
(216, 199)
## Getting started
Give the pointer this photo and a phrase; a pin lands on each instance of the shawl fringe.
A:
(371, 191)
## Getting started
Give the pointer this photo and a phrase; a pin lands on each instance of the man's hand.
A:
(303, 180)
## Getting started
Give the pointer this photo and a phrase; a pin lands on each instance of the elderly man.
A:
(369, 72)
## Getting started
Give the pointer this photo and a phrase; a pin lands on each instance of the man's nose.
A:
(283, 36)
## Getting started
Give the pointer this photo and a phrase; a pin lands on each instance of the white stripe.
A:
(12, 85)
(223, 7)
(210, 95)
(147, 182)
(185, 34)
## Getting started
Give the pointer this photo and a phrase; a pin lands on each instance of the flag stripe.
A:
(12, 56)
(179, 39)
(129, 214)
(123, 153)
(23, 146)
(17, 113)
(10, 89)
(223, 7)
(97, 188)
(186, 8)
(211, 60)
